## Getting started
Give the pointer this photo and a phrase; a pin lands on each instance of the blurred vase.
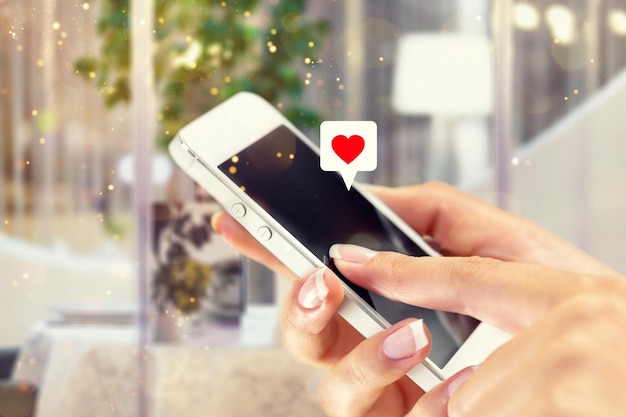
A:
(196, 274)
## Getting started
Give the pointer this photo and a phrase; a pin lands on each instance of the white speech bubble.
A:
(348, 147)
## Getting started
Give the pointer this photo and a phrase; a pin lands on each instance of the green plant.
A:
(208, 50)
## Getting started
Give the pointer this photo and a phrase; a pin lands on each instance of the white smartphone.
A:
(267, 175)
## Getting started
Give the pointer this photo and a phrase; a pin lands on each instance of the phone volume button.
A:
(238, 210)
(264, 233)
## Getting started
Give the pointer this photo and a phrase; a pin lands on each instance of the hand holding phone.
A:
(267, 175)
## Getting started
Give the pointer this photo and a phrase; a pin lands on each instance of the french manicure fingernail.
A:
(351, 253)
(313, 291)
(406, 341)
(459, 378)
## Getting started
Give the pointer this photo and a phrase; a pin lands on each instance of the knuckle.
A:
(568, 360)
(439, 186)
(333, 404)
(395, 267)
(341, 392)
(393, 264)
(473, 267)
(586, 310)
(562, 396)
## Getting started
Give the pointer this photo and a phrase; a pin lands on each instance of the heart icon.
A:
(348, 148)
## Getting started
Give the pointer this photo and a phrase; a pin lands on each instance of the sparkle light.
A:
(190, 56)
(617, 22)
(86, 6)
(526, 16)
(562, 23)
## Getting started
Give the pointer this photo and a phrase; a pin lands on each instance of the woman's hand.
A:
(363, 379)
(567, 359)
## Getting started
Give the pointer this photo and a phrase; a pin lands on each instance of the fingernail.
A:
(406, 341)
(313, 291)
(351, 253)
(458, 379)
(216, 224)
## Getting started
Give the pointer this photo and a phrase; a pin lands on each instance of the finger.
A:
(464, 225)
(240, 239)
(312, 330)
(548, 384)
(575, 342)
(506, 294)
(435, 402)
(370, 380)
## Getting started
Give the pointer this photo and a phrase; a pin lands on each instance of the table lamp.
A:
(448, 77)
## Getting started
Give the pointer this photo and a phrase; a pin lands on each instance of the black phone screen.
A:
(283, 175)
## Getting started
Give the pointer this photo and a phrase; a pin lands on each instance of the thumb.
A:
(434, 403)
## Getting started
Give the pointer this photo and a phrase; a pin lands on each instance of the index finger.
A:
(508, 295)
(464, 225)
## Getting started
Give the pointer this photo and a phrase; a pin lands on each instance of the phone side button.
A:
(238, 210)
(264, 233)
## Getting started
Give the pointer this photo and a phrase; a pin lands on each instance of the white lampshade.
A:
(443, 74)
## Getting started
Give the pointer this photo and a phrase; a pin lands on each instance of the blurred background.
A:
(118, 297)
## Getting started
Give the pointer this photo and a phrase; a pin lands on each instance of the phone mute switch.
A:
(264, 233)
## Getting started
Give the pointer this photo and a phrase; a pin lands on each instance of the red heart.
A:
(348, 149)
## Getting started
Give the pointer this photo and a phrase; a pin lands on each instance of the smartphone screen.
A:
(283, 175)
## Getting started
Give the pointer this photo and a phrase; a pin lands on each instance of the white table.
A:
(75, 366)
(191, 382)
